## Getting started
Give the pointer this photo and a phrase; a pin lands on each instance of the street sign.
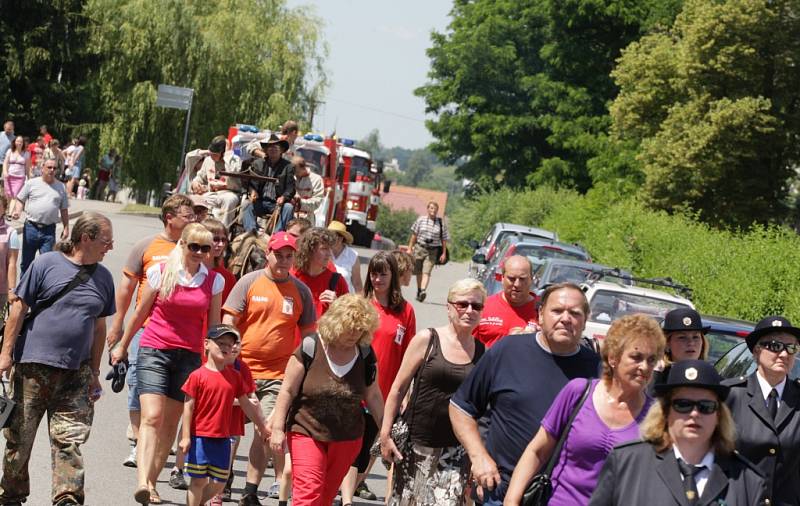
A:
(174, 97)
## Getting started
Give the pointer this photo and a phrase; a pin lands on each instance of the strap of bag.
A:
(84, 273)
(441, 231)
(412, 402)
(334, 281)
(564, 433)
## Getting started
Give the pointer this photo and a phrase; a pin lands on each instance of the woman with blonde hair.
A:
(686, 455)
(318, 410)
(175, 296)
(609, 411)
(432, 468)
(686, 340)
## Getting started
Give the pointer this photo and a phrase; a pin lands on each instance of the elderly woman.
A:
(616, 406)
(319, 404)
(314, 253)
(687, 453)
(180, 297)
(433, 468)
(766, 409)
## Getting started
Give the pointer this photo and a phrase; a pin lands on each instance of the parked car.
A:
(609, 301)
(537, 251)
(724, 334)
(563, 270)
(490, 243)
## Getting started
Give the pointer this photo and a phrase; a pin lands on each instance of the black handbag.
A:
(440, 248)
(541, 488)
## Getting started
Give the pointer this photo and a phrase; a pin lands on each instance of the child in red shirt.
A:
(208, 421)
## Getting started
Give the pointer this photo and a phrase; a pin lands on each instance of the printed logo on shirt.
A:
(259, 298)
(400, 334)
(288, 305)
(494, 321)
(158, 258)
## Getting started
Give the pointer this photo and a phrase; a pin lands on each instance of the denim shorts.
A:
(164, 371)
(130, 379)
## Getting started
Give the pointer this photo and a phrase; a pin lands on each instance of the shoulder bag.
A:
(442, 247)
(401, 428)
(541, 488)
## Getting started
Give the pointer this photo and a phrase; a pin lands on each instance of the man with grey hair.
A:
(56, 372)
(512, 310)
(6, 138)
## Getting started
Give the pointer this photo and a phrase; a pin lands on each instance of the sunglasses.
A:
(462, 305)
(196, 248)
(704, 406)
(220, 239)
(779, 346)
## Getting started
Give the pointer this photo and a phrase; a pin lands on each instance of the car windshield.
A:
(538, 253)
(359, 166)
(568, 273)
(607, 306)
(314, 159)
(739, 362)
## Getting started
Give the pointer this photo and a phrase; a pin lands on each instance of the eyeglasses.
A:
(106, 242)
(704, 406)
(195, 248)
(220, 239)
(187, 217)
(462, 305)
(779, 346)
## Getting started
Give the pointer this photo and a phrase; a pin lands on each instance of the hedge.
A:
(748, 274)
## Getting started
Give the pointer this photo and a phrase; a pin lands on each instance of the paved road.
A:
(107, 481)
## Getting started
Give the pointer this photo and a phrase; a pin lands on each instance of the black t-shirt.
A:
(519, 380)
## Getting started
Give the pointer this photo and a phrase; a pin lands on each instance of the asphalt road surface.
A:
(107, 481)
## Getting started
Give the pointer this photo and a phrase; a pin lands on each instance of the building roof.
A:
(416, 199)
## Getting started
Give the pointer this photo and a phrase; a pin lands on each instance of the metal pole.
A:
(185, 136)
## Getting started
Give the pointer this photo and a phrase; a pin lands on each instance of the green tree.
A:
(248, 61)
(520, 88)
(709, 109)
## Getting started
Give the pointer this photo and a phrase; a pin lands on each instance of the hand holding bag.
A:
(541, 488)
(442, 247)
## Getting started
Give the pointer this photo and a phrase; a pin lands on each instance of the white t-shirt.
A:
(154, 278)
(344, 265)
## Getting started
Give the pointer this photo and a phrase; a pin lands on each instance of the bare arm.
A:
(17, 208)
(411, 362)
(139, 316)
(355, 278)
(214, 309)
(230, 319)
(5, 165)
(292, 382)
(484, 468)
(412, 241)
(95, 389)
(28, 167)
(253, 412)
(535, 455)
(186, 424)
(65, 223)
(13, 254)
(13, 325)
(124, 294)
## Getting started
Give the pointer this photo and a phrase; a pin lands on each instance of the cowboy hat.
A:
(275, 140)
(340, 228)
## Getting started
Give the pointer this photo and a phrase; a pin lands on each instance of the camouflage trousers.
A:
(63, 395)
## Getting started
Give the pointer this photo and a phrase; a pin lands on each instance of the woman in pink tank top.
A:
(16, 167)
(180, 295)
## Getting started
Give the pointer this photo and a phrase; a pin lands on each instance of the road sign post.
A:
(175, 97)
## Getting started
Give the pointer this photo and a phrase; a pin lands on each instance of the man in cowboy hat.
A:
(267, 197)
(345, 258)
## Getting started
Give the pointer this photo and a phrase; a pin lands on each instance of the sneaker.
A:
(130, 461)
(364, 492)
(226, 494)
(249, 500)
(274, 490)
(421, 296)
(215, 501)
(177, 481)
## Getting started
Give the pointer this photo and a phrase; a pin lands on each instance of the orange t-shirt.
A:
(146, 253)
(269, 314)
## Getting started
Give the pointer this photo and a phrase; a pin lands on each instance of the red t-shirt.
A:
(499, 317)
(391, 340)
(318, 284)
(230, 280)
(213, 393)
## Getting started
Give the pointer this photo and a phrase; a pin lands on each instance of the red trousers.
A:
(318, 468)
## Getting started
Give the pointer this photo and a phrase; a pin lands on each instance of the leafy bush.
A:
(396, 225)
(748, 274)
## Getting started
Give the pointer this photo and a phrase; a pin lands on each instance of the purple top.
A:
(587, 445)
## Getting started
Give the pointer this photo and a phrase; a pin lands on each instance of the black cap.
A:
(771, 324)
(221, 329)
(693, 373)
(217, 145)
(683, 318)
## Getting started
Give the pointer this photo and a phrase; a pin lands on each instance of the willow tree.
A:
(248, 61)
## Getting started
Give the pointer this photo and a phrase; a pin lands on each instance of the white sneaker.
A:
(130, 461)
(274, 490)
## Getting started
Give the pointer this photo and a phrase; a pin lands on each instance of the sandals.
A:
(145, 495)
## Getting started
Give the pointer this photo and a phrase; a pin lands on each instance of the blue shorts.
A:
(164, 372)
(130, 379)
(209, 457)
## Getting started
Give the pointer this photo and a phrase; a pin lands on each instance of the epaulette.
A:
(736, 381)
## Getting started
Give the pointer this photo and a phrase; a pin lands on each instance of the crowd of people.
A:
(334, 372)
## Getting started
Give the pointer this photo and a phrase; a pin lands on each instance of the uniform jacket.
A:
(634, 474)
(774, 447)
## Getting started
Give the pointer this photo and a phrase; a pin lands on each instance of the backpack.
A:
(309, 348)
(248, 253)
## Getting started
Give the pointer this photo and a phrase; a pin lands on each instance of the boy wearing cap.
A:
(208, 415)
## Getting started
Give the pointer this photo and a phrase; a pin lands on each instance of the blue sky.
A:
(376, 59)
